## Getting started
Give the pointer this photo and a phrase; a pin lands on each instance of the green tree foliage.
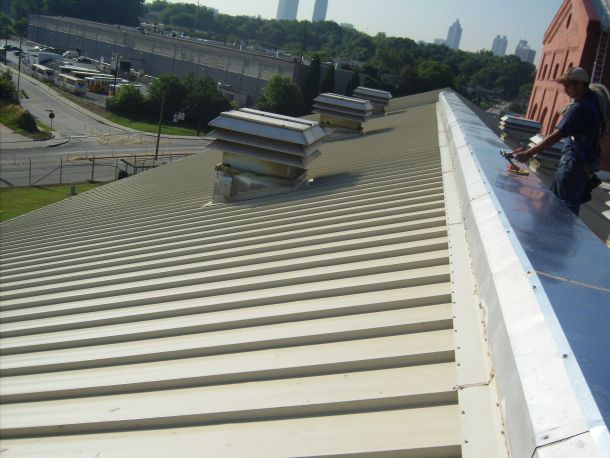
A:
(282, 96)
(174, 90)
(128, 101)
(8, 90)
(203, 101)
(198, 98)
(124, 12)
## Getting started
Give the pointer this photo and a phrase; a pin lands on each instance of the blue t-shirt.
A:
(581, 125)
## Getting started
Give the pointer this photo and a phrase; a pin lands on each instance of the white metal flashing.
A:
(539, 401)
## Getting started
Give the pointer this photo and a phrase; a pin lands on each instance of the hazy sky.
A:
(425, 20)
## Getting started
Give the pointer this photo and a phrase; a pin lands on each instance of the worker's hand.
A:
(521, 154)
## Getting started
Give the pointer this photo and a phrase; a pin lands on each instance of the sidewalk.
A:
(10, 141)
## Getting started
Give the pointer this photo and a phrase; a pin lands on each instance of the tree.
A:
(8, 90)
(282, 96)
(170, 86)
(128, 101)
(203, 101)
(434, 75)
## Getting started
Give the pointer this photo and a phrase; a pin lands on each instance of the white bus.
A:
(100, 84)
(72, 84)
(43, 72)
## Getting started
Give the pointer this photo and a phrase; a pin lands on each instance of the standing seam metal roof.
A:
(138, 320)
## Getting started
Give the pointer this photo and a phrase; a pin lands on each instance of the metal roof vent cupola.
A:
(263, 153)
(341, 111)
(378, 98)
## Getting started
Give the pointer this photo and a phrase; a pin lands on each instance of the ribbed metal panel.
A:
(139, 321)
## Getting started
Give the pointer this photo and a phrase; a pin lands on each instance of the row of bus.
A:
(79, 80)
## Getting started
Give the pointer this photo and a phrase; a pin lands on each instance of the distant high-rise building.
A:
(319, 10)
(524, 52)
(439, 41)
(499, 45)
(287, 10)
(347, 25)
(454, 35)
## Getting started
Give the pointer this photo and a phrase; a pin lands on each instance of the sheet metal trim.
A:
(528, 340)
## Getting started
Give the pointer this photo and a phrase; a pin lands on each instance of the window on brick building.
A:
(543, 117)
(534, 111)
(556, 71)
(569, 21)
(555, 121)
(546, 67)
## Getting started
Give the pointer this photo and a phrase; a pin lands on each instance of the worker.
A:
(582, 124)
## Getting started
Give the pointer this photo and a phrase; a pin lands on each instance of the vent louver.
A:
(379, 99)
(263, 153)
(518, 130)
(341, 111)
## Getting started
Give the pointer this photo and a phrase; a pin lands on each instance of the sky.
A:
(425, 20)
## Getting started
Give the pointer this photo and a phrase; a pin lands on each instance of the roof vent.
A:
(548, 159)
(263, 153)
(518, 130)
(341, 111)
(379, 99)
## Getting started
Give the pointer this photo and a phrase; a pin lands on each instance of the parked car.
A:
(19, 52)
(84, 60)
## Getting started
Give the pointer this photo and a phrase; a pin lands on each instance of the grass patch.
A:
(18, 201)
(21, 121)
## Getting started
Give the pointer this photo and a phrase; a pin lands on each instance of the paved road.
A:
(78, 133)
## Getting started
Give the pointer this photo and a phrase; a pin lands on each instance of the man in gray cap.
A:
(582, 125)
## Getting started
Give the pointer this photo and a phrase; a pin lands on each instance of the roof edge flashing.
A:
(527, 340)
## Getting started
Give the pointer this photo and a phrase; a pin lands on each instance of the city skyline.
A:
(319, 10)
(499, 45)
(287, 9)
(481, 20)
(454, 35)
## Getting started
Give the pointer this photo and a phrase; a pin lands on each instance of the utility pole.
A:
(304, 43)
(116, 72)
(19, 68)
(159, 131)
(6, 44)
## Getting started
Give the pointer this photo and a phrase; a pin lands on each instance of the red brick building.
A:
(577, 37)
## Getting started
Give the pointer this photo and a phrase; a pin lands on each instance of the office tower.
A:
(454, 35)
(524, 52)
(287, 10)
(319, 10)
(439, 41)
(499, 45)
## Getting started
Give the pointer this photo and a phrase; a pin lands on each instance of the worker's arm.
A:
(522, 154)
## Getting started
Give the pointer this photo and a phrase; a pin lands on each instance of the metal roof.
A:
(139, 319)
